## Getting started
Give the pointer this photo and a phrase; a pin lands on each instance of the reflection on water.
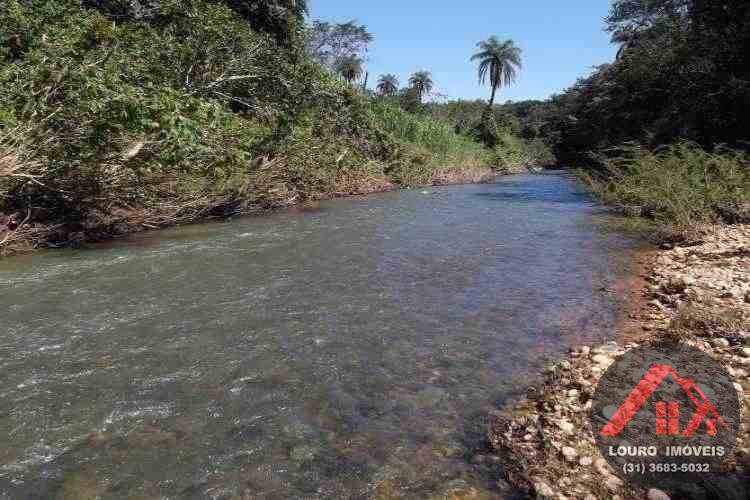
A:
(351, 351)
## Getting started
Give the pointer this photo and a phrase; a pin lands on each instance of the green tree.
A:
(387, 85)
(281, 18)
(330, 43)
(350, 68)
(500, 61)
(422, 83)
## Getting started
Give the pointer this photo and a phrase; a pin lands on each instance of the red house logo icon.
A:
(667, 413)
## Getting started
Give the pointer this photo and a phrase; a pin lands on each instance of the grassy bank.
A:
(677, 191)
(115, 119)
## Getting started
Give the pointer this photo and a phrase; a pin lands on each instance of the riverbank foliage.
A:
(118, 115)
(682, 74)
(681, 187)
(509, 136)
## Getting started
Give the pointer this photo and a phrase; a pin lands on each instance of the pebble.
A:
(602, 360)
(569, 453)
(602, 467)
(543, 490)
(566, 426)
(613, 483)
(719, 342)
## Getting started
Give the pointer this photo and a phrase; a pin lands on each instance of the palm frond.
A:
(499, 61)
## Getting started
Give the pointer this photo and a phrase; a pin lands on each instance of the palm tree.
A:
(422, 83)
(498, 60)
(388, 85)
(350, 68)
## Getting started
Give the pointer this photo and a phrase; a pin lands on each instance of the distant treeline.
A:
(682, 72)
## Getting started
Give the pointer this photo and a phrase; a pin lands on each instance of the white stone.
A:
(602, 360)
(543, 490)
(569, 453)
(566, 426)
(602, 467)
(719, 342)
(613, 483)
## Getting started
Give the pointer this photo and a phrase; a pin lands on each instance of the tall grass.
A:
(434, 136)
(18, 163)
(681, 187)
(513, 152)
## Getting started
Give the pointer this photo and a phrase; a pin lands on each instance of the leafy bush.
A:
(513, 152)
(434, 136)
(681, 186)
(145, 113)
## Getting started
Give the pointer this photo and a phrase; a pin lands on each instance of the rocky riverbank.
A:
(697, 293)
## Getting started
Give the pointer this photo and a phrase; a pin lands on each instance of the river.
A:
(350, 349)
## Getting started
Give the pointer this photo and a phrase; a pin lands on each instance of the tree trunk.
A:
(492, 97)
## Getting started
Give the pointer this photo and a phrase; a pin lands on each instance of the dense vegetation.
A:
(117, 115)
(682, 72)
(654, 128)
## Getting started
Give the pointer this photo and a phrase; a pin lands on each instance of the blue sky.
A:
(561, 40)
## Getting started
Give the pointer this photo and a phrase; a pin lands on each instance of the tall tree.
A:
(330, 43)
(498, 61)
(350, 68)
(388, 85)
(281, 18)
(422, 83)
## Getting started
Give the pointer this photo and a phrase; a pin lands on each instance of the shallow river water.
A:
(350, 350)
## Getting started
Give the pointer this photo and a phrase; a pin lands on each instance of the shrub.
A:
(119, 114)
(423, 144)
(513, 152)
(681, 186)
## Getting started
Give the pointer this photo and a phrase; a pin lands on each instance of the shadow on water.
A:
(350, 350)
